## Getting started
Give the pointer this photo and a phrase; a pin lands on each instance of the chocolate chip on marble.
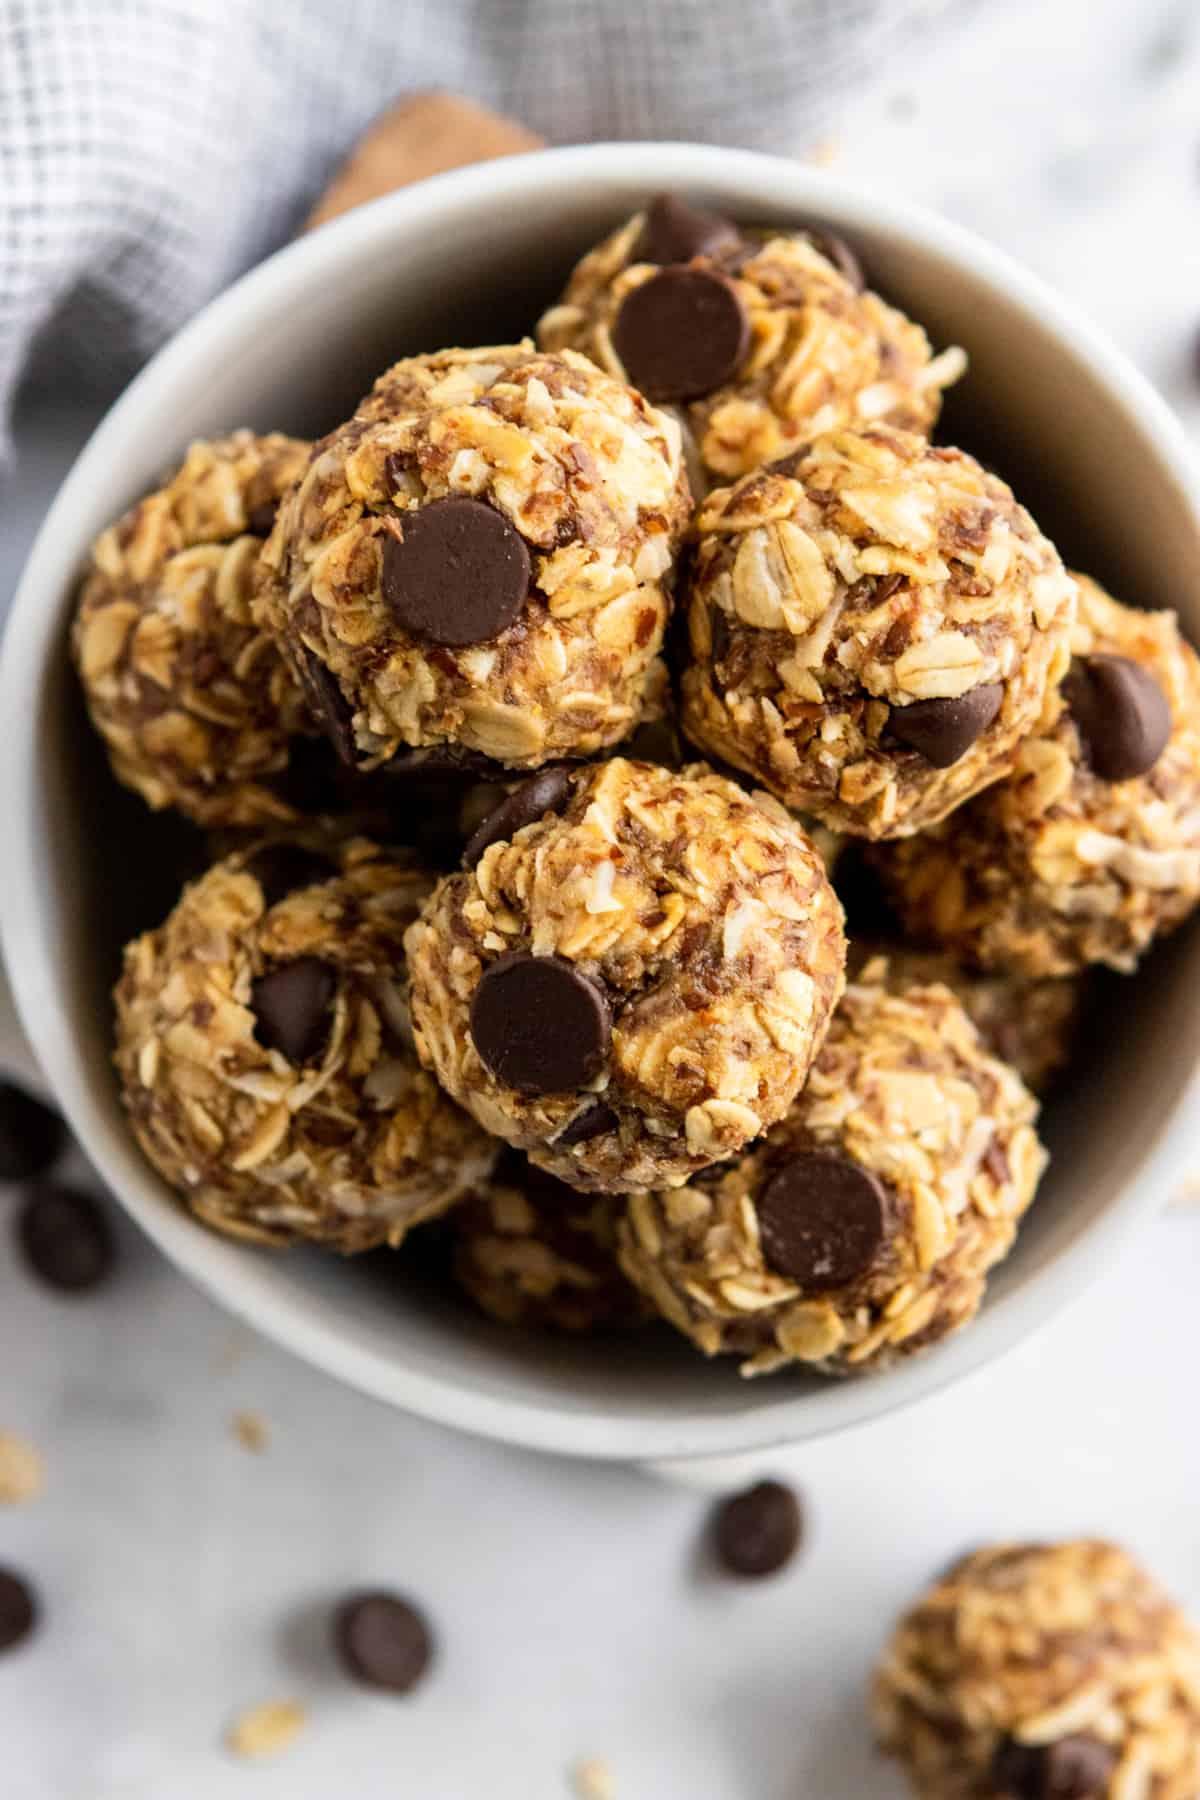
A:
(944, 730)
(282, 869)
(18, 1609)
(456, 572)
(758, 1532)
(65, 1238)
(292, 1006)
(540, 1024)
(383, 1641)
(822, 1220)
(1121, 714)
(31, 1134)
(1071, 1768)
(546, 792)
(329, 706)
(675, 231)
(681, 333)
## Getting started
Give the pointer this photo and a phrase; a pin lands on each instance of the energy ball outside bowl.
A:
(265, 1053)
(1043, 1672)
(765, 338)
(1090, 849)
(861, 1228)
(480, 561)
(632, 981)
(196, 706)
(874, 626)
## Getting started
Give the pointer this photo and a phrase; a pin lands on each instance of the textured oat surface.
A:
(706, 915)
(531, 1251)
(1039, 1643)
(194, 701)
(874, 573)
(349, 1149)
(592, 479)
(821, 355)
(1055, 868)
(904, 1089)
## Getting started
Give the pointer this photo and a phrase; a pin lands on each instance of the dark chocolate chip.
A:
(943, 730)
(260, 520)
(592, 1122)
(329, 706)
(65, 1238)
(758, 1532)
(459, 573)
(282, 869)
(837, 251)
(292, 1007)
(681, 334)
(18, 1609)
(822, 1220)
(31, 1135)
(539, 1024)
(1072, 1768)
(443, 759)
(1121, 713)
(546, 792)
(675, 231)
(383, 1641)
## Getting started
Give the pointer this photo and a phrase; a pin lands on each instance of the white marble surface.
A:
(185, 1578)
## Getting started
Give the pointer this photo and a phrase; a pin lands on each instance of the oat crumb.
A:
(251, 1431)
(267, 1729)
(22, 1472)
(592, 1779)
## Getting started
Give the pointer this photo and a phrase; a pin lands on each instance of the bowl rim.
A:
(32, 643)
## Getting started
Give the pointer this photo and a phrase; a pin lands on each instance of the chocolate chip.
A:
(822, 1220)
(282, 869)
(1121, 713)
(1073, 1768)
(539, 1024)
(758, 1532)
(292, 1006)
(546, 792)
(65, 1239)
(442, 759)
(837, 251)
(458, 575)
(260, 520)
(592, 1122)
(383, 1641)
(18, 1609)
(31, 1135)
(944, 730)
(329, 706)
(675, 231)
(681, 334)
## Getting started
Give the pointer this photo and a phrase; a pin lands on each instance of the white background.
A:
(185, 1578)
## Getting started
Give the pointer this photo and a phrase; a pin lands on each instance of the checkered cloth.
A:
(150, 150)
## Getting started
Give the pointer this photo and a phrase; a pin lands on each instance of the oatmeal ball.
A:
(531, 1251)
(766, 339)
(633, 976)
(1091, 848)
(265, 1052)
(480, 561)
(874, 626)
(862, 1227)
(1043, 1672)
(1028, 1023)
(194, 702)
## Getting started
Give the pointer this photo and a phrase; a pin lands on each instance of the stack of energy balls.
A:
(614, 1047)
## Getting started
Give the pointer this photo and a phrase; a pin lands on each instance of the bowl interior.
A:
(472, 258)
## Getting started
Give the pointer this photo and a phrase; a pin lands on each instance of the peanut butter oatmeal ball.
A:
(1043, 1672)
(532, 1251)
(862, 1227)
(265, 1051)
(196, 705)
(766, 338)
(481, 559)
(1091, 848)
(632, 979)
(874, 626)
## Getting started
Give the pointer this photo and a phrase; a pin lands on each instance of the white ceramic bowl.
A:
(471, 257)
